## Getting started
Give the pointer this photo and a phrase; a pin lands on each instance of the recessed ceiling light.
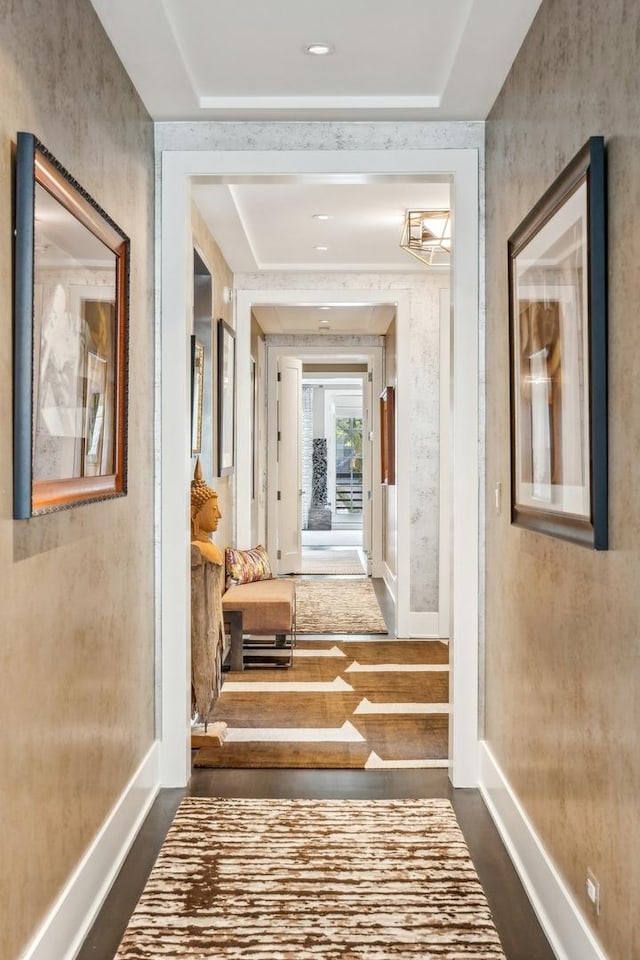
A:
(321, 249)
(319, 49)
(324, 308)
(322, 216)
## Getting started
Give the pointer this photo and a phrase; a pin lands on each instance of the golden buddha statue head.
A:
(205, 514)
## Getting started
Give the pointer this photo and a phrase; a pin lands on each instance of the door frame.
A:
(176, 169)
(289, 486)
(371, 355)
(328, 378)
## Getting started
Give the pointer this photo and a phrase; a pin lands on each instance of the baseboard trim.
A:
(424, 626)
(68, 922)
(390, 580)
(564, 924)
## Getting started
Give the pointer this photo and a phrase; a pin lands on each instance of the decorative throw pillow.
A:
(246, 566)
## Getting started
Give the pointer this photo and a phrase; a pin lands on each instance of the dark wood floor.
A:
(521, 936)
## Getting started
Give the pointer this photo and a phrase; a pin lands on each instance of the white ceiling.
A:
(245, 60)
(330, 319)
(263, 227)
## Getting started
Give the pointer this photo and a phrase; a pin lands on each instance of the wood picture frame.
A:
(388, 436)
(226, 397)
(70, 341)
(558, 357)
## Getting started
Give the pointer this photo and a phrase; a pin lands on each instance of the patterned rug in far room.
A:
(338, 606)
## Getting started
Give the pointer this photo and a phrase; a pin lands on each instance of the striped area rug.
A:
(314, 879)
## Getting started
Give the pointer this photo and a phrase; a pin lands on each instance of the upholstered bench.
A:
(261, 608)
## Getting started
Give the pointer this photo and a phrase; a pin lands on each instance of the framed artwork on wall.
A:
(558, 357)
(71, 302)
(226, 397)
(388, 436)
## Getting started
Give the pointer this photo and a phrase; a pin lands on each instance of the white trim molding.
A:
(560, 917)
(444, 533)
(390, 580)
(178, 167)
(311, 104)
(424, 625)
(245, 299)
(70, 919)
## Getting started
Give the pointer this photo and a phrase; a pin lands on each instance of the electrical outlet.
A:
(593, 890)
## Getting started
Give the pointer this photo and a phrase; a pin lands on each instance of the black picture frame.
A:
(70, 341)
(557, 264)
(226, 397)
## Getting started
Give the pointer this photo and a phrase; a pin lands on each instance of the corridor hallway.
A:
(515, 921)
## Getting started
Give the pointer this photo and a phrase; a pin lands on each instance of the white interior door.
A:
(289, 469)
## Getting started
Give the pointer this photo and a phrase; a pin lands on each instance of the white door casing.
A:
(173, 475)
(288, 477)
(371, 356)
(444, 573)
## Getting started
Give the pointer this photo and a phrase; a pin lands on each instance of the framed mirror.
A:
(71, 299)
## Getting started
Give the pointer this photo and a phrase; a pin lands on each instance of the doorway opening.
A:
(335, 482)
(324, 511)
(459, 164)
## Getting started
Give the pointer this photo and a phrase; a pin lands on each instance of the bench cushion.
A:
(267, 606)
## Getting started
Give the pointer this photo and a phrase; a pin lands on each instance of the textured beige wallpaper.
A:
(77, 620)
(563, 622)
